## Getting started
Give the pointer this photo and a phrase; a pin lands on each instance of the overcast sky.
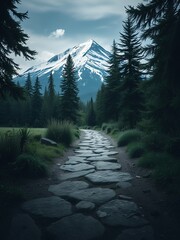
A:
(55, 25)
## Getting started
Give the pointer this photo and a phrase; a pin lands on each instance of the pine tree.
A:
(69, 92)
(28, 86)
(36, 103)
(112, 84)
(51, 97)
(13, 41)
(100, 106)
(131, 96)
(91, 116)
(160, 22)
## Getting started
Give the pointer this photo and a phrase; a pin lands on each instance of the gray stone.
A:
(125, 197)
(23, 227)
(77, 159)
(65, 188)
(71, 175)
(101, 214)
(51, 207)
(101, 150)
(102, 158)
(83, 151)
(144, 233)
(48, 141)
(96, 195)
(85, 206)
(76, 167)
(110, 153)
(124, 185)
(108, 176)
(122, 213)
(77, 227)
(88, 155)
(102, 165)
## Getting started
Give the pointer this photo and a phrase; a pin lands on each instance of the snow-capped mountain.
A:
(90, 60)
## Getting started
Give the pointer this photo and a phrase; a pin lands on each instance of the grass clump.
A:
(135, 149)
(61, 132)
(30, 166)
(165, 166)
(129, 136)
(10, 146)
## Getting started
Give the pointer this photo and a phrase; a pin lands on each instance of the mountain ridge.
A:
(90, 61)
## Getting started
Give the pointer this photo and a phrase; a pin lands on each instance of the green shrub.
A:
(108, 129)
(135, 149)
(104, 126)
(30, 166)
(61, 132)
(155, 141)
(37, 137)
(114, 131)
(10, 146)
(25, 135)
(129, 136)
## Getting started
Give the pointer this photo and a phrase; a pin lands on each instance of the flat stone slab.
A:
(65, 188)
(102, 158)
(88, 155)
(122, 213)
(23, 227)
(77, 227)
(48, 141)
(110, 153)
(85, 206)
(83, 151)
(96, 195)
(51, 207)
(75, 158)
(144, 233)
(102, 165)
(101, 150)
(123, 185)
(76, 167)
(71, 175)
(108, 176)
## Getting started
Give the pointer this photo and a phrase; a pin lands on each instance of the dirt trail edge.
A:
(95, 192)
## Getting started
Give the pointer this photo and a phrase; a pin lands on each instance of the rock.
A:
(88, 155)
(83, 151)
(102, 158)
(124, 185)
(108, 176)
(102, 165)
(76, 159)
(122, 213)
(76, 167)
(48, 141)
(125, 197)
(65, 188)
(23, 227)
(51, 207)
(71, 175)
(101, 214)
(96, 195)
(144, 233)
(85, 206)
(77, 227)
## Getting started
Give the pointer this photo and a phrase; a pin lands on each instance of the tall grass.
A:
(10, 146)
(135, 149)
(129, 136)
(61, 132)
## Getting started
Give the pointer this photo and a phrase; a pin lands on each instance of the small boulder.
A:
(48, 142)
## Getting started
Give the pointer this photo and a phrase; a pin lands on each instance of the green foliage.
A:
(91, 116)
(165, 166)
(104, 126)
(30, 166)
(25, 136)
(61, 132)
(10, 146)
(155, 141)
(135, 149)
(129, 136)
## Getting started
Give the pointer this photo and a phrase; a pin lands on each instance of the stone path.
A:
(86, 204)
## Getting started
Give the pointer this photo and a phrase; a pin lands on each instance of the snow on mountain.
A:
(90, 60)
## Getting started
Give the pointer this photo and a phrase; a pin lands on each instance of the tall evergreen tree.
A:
(28, 86)
(160, 22)
(51, 96)
(91, 116)
(36, 103)
(69, 92)
(112, 84)
(100, 106)
(13, 41)
(131, 96)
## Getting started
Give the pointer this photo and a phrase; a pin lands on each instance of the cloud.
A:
(82, 9)
(58, 33)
